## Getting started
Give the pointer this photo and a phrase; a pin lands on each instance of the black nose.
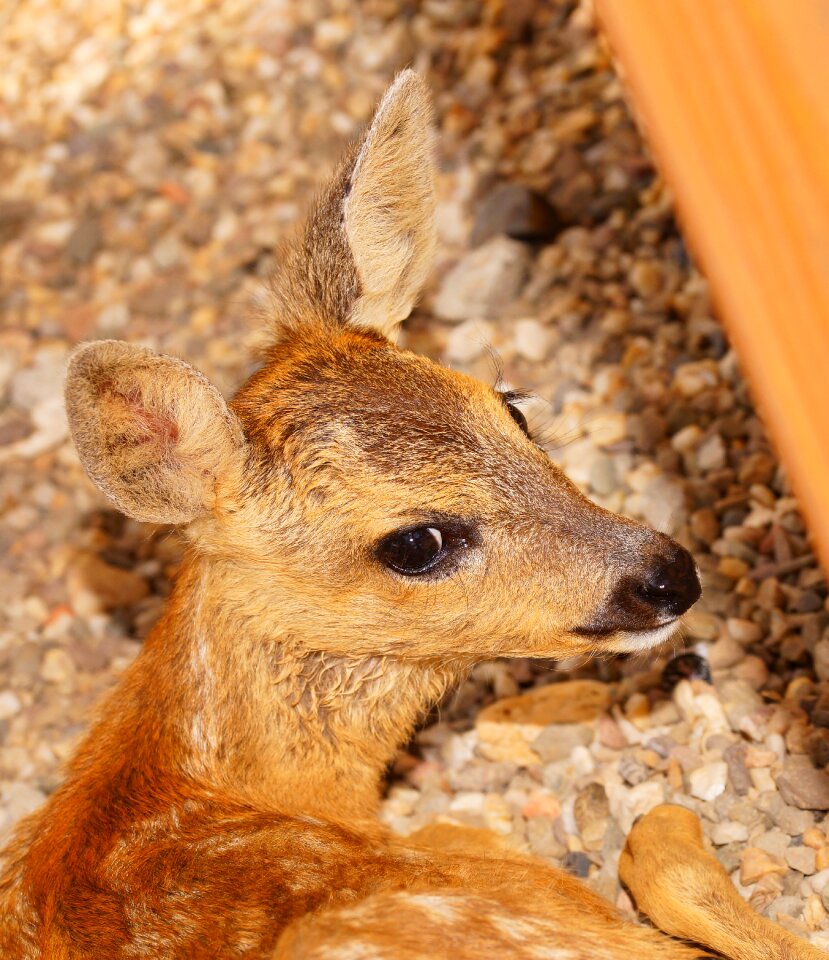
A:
(671, 585)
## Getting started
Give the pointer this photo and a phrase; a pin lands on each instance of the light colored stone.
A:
(784, 908)
(732, 567)
(753, 671)
(43, 380)
(802, 859)
(729, 831)
(814, 913)
(819, 881)
(761, 779)
(57, 666)
(688, 438)
(756, 864)
(739, 701)
(690, 379)
(603, 478)
(574, 701)
(705, 525)
(703, 705)
(646, 277)
(662, 504)
(19, 799)
(469, 340)
(507, 728)
(759, 757)
(627, 804)
(709, 781)
(774, 842)
(725, 653)
(820, 658)
(607, 428)
(743, 631)
(484, 281)
(532, 339)
(609, 733)
(701, 625)
(802, 786)
(497, 814)
(557, 741)
(711, 454)
(541, 803)
(9, 704)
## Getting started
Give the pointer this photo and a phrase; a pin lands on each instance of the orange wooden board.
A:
(733, 96)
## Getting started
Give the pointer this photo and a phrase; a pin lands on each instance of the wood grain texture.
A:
(734, 99)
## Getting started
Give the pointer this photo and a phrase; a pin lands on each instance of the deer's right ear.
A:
(152, 433)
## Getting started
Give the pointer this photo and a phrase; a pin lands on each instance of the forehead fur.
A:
(351, 403)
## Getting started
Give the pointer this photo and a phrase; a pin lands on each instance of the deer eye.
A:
(518, 417)
(412, 551)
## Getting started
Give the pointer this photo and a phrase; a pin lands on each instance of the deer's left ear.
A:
(389, 206)
(366, 247)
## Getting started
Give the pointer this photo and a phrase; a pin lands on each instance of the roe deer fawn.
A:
(364, 525)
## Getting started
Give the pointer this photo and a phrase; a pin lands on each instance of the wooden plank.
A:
(733, 96)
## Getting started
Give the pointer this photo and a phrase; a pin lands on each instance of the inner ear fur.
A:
(367, 245)
(389, 211)
(152, 433)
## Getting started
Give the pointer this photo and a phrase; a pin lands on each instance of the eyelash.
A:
(511, 399)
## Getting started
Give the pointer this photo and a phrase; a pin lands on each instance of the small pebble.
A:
(709, 781)
(9, 704)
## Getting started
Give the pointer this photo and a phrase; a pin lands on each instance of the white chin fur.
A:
(635, 641)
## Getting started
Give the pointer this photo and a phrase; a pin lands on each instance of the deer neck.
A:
(263, 715)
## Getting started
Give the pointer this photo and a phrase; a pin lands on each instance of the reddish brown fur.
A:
(224, 803)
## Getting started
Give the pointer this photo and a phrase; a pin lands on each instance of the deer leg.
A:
(686, 892)
(459, 925)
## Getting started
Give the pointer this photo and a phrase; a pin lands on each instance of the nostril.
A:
(655, 591)
(672, 584)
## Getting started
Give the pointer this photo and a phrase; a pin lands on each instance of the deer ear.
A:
(389, 206)
(367, 244)
(152, 433)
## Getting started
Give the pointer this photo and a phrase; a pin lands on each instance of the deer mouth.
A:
(638, 641)
(630, 639)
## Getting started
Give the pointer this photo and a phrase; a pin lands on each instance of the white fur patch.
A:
(435, 906)
(636, 641)
(529, 934)
(351, 951)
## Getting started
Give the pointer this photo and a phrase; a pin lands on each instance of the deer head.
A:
(373, 500)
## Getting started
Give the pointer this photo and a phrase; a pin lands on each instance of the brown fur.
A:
(224, 803)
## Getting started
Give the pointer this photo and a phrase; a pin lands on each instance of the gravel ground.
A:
(151, 159)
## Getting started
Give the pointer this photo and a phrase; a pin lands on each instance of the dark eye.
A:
(412, 551)
(518, 417)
